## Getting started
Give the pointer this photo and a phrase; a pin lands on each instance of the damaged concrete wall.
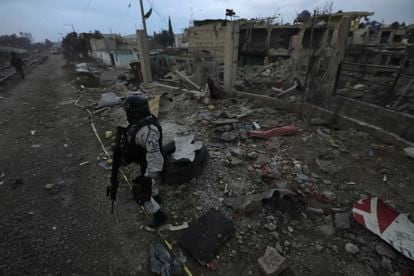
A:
(396, 122)
(208, 38)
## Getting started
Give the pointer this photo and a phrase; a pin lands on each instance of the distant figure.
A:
(18, 64)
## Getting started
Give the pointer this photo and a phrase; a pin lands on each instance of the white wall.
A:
(121, 59)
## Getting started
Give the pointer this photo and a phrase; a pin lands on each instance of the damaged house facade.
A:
(114, 51)
(335, 64)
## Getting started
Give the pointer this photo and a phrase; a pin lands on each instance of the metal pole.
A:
(143, 17)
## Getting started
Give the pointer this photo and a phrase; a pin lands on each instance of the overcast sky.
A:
(47, 18)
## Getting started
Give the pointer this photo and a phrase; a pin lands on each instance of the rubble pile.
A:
(290, 196)
(260, 79)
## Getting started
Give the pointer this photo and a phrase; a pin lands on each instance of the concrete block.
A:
(272, 263)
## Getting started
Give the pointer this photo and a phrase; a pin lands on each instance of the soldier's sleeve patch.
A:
(152, 144)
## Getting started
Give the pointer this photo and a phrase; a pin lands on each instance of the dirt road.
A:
(63, 227)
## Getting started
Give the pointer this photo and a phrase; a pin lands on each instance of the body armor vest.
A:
(136, 153)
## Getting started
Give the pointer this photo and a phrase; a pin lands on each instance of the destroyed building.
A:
(287, 149)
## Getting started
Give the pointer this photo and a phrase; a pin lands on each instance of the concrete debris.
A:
(108, 99)
(234, 161)
(342, 221)
(326, 229)
(410, 151)
(318, 122)
(250, 201)
(329, 195)
(351, 248)
(270, 226)
(253, 155)
(326, 163)
(359, 86)
(185, 148)
(163, 263)
(387, 264)
(229, 136)
(49, 186)
(272, 263)
(220, 122)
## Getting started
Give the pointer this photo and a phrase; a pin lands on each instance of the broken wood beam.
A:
(182, 76)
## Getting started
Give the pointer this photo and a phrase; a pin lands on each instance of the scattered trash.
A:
(410, 151)
(206, 235)
(256, 125)
(36, 146)
(154, 106)
(84, 163)
(32, 132)
(185, 148)
(178, 227)
(108, 99)
(278, 131)
(272, 263)
(65, 145)
(163, 263)
(384, 221)
(105, 165)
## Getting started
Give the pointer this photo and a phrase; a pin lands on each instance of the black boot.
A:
(159, 218)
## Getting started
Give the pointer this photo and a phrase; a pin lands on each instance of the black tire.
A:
(178, 172)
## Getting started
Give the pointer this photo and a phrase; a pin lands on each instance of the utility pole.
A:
(143, 17)
(73, 27)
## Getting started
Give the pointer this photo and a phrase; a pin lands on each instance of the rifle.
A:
(112, 189)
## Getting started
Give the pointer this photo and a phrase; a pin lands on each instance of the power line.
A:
(86, 10)
(123, 17)
(162, 17)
